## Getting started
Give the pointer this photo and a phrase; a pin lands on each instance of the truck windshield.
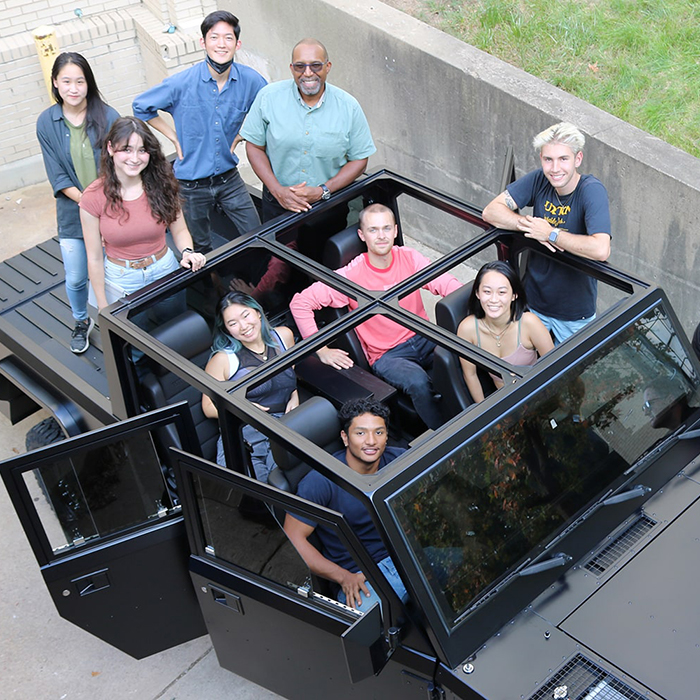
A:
(479, 511)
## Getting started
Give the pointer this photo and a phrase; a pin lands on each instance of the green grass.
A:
(637, 59)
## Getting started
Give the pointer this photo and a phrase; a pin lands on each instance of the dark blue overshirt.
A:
(54, 139)
(206, 119)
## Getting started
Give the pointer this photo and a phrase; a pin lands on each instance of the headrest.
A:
(315, 419)
(187, 334)
(342, 247)
(450, 310)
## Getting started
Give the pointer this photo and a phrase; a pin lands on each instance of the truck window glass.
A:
(482, 508)
(99, 491)
(242, 531)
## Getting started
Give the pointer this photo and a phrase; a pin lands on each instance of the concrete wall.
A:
(444, 113)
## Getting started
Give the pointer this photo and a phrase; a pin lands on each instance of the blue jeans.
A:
(562, 329)
(132, 280)
(261, 452)
(200, 198)
(75, 265)
(387, 567)
(406, 367)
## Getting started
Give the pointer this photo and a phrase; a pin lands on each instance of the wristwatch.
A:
(553, 235)
(326, 192)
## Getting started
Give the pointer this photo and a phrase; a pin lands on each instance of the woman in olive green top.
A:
(70, 134)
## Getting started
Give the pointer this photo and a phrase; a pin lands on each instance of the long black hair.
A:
(96, 117)
(517, 306)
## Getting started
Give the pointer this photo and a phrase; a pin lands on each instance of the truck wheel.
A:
(42, 434)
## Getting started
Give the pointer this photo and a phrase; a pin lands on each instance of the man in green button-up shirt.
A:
(305, 138)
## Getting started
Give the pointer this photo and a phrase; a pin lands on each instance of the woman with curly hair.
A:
(128, 210)
(70, 134)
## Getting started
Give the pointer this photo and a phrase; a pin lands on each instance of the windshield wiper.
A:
(559, 559)
(663, 445)
(635, 492)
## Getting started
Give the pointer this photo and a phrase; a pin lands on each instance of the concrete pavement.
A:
(41, 655)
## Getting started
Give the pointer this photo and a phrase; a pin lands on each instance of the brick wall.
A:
(109, 43)
(17, 16)
(124, 42)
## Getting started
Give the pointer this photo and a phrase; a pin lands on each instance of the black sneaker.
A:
(79, 341)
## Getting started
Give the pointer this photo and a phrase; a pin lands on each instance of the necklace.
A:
(262, 355)
(496, 336)
(567, 197)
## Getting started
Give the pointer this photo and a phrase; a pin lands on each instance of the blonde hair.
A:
(563, 132)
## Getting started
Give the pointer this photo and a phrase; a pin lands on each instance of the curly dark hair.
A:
(358, 407)
(159, 183)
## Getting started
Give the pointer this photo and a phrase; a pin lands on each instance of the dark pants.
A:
(271, 207)
(406, 367)
(201, 196)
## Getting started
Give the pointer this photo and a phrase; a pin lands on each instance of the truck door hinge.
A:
(435, 691)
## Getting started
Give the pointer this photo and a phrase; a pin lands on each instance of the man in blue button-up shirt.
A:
(208, 103)
(305, 138)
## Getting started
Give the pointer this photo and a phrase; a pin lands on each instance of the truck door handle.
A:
(91, 583)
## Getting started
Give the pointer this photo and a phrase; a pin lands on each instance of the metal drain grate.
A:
(621, 544)
(581, 679)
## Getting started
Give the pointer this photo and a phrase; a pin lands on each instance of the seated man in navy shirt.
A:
(364, 432)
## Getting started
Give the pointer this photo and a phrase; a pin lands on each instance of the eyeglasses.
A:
(316, 67)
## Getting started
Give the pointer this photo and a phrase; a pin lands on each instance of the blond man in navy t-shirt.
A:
(570, 213)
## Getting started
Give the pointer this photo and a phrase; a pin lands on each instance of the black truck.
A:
(548, 536)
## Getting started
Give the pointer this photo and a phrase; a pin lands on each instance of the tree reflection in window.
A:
(482, 509)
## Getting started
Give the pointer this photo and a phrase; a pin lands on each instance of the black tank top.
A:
(273, 393)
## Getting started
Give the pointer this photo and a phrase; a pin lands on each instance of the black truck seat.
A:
(448, 378)
(187, 334)
(338, 251)
(315, 419)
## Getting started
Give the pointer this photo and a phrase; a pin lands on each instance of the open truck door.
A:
(106, 527)
(269, 619)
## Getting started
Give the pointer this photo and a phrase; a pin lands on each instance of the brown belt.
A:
(141, 263)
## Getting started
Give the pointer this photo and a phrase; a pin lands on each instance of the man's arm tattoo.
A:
(510, 202)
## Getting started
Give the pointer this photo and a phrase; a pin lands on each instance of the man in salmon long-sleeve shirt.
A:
(395, 353)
